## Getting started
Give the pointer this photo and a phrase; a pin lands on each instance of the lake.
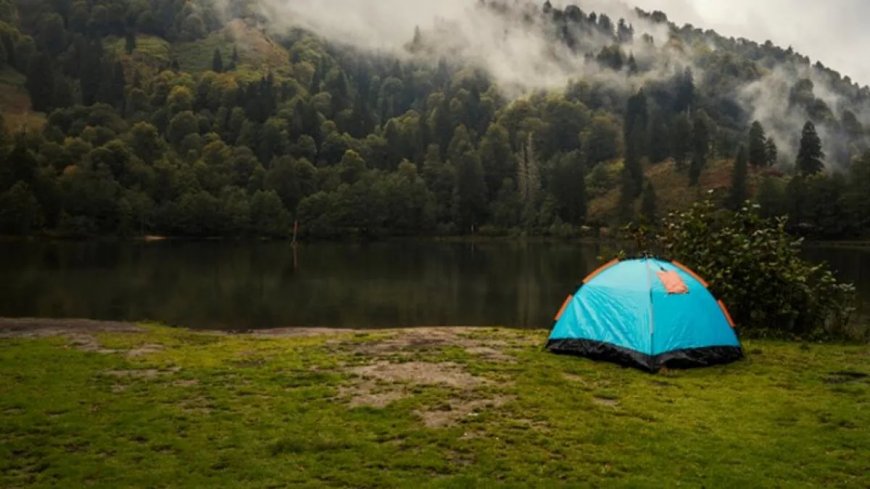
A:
(244, 285)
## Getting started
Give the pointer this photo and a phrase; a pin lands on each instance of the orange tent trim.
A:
(690, 272)
(599, 270)
(727, 314)
(564, 306)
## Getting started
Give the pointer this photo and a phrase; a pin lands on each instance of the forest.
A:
(193, 119)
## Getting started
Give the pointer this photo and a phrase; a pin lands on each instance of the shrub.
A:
(755, 267)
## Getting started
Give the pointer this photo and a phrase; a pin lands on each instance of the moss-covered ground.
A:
(150, 406)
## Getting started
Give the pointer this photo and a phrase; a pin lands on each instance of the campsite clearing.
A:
(122, 405)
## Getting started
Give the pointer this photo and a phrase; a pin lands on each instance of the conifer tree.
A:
(757, 146)
(217, 61)
(700, 149)
(649, 203)
(772, 152)
(810, 155)
(738, 193)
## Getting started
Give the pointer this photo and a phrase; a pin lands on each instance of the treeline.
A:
(343, 143)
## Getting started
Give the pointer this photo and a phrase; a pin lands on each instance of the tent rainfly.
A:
(646, 313)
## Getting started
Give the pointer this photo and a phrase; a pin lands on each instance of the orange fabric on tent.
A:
(600, 269)
(727, 314)
(693, 274)
(672, 282)
(564, 306)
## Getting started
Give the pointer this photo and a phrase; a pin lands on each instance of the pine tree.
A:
(130, 42)
(636, 121)
(771, 151)
(700, 148)
(757, 145)
(681, 140)
(659, 139)
(649, 203)
(685, 98)
(234, 59)
(217, 61)
(470, 192)
(528, 178)
(810, 155)
(632, 167)
(40, 83)
(738, 193)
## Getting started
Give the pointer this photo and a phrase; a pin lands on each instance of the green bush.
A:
(755, 267)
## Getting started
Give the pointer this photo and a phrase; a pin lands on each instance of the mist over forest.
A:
(377, 118)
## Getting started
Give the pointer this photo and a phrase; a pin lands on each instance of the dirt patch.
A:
(79, 332)
(298, 332)
(145, 350)
(404, 343)
(38, 328)
(145, 373)
(603, 401)
(422, 373)
(372, 394)
(455, 411)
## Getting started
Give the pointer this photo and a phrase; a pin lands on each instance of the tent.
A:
(646, 313)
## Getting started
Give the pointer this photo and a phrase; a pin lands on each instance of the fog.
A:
(520, 55)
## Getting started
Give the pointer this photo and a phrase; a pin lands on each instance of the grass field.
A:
(122, 405)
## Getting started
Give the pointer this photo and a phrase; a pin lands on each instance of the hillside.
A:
(198, 118)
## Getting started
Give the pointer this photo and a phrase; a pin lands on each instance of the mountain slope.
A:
(200, 119)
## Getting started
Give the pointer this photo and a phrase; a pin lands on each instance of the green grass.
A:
(206, 410)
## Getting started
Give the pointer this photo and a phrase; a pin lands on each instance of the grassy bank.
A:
(148, 406)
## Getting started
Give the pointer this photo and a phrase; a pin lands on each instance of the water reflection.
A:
(254, 285)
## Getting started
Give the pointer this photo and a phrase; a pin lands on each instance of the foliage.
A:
(160, 102)
(810, 155)
(755, 267)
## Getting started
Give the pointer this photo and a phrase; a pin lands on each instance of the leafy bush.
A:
(755, 267)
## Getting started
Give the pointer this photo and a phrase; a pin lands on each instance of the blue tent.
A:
(646, 313)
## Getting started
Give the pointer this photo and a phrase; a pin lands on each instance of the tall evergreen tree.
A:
(757, 146)
(40, 83)
(771, 151)
(470, 192)
(681, 140)
(810, 155)
(217, 61)
(738, 192)
(649, 203)
(700, 148)
(636, 121)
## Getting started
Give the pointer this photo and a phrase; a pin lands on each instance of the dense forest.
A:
(186, 118)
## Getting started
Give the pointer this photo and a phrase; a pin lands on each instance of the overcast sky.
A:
(835, 32)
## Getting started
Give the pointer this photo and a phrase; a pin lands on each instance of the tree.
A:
(568, 186)
(758, 155)
(496, 157)
(130, 41)
(681, 140)
(738, 192)
(810, 155)
(700, 148)
(528, 178)
(40, 83)
(470, 192)
(769, 288)
(771, 151)
(649, 203)
(268, 215)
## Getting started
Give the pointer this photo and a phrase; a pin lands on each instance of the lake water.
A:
(243, 285)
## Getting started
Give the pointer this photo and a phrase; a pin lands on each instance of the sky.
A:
(834, 32)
